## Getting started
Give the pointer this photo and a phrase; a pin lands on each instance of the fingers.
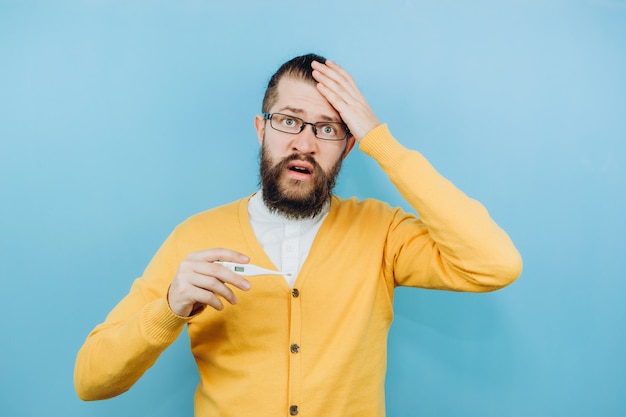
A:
(201, 264)
(220, 254)
(199, 281)
(208, 275)
(331, 71)
(341, 91)
(201, 298)
(335, 83)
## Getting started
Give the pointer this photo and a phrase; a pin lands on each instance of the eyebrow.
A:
(300, 111)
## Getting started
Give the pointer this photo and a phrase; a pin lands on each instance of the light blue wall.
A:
(120, 119)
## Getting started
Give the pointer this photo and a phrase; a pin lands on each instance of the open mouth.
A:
(300, 169)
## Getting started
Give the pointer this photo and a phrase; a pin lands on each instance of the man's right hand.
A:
(200, 282)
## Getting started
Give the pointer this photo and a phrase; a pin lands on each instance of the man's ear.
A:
(349, 145)
(259, 125)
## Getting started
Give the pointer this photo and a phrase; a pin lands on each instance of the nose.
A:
(305, 141)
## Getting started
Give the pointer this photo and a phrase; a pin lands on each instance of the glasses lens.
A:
(285, 123)
(330, 130)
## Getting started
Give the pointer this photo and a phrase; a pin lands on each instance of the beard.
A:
(293, 198)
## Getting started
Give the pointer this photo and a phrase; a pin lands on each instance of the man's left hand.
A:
(339, 88)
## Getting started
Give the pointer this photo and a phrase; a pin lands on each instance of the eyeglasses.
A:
(294, 125)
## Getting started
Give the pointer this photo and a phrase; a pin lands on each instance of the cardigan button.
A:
(293, 410)
(295, 348)
(295, 293)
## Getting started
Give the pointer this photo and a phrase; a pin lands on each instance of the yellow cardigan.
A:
(318, 349)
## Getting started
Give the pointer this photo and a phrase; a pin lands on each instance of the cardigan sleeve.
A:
(118, 352)
(455, 244)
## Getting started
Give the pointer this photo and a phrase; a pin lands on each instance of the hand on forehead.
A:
(342, 93)
(301, 98)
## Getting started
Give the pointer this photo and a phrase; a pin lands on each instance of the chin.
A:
(297, 190)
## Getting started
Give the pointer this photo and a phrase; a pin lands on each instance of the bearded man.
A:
(313, 341)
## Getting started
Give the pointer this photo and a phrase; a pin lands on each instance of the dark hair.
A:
(298, 67)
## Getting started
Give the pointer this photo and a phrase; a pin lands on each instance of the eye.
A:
(288, 122)
(328, 129)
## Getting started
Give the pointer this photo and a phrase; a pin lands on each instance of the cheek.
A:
(330, 158)
(270, 157)
(271, 153)
(276, 147)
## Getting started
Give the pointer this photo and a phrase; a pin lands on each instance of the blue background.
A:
(120, 119)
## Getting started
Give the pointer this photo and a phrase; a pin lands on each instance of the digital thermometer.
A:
(249, 270)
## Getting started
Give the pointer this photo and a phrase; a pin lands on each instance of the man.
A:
(313, 343)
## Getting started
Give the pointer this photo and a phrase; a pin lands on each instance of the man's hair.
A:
(298, 67)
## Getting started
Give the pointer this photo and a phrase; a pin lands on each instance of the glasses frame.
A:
(268, 116)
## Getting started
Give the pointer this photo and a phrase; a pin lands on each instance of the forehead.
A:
(302, 98)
